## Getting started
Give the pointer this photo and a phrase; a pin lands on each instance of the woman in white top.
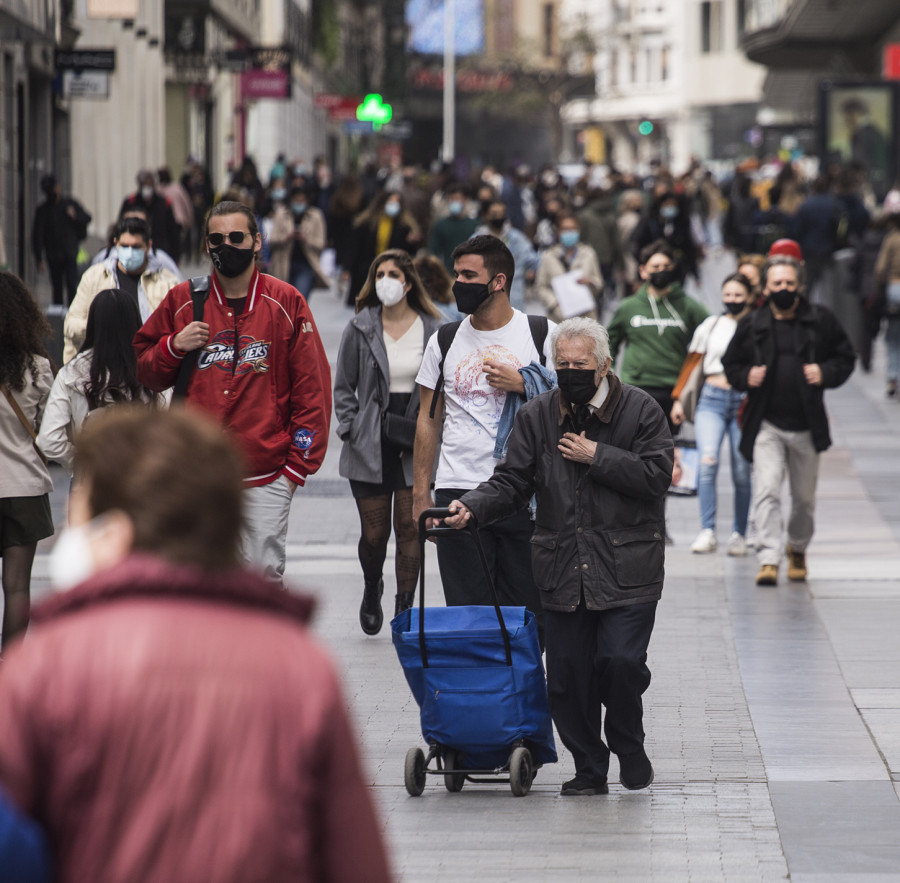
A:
(716, 415)
(376, 402)
(25, 378)
(104, 372)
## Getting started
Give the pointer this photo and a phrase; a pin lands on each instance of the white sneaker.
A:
(737, 546)
(705, 542)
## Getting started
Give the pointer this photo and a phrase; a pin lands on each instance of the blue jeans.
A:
(302, 278)
(717, 414)
(892, 342)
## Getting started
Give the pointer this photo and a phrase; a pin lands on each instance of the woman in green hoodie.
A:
(656, 323)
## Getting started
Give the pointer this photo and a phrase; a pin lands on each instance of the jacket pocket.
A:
(543, 558)
(638, 553)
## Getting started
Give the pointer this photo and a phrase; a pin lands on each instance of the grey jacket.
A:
(361, 385)
(599, 527)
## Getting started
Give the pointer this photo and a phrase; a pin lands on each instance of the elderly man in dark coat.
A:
(599, 456)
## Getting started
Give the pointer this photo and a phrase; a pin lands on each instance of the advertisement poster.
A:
(859, 123)
(425, 24)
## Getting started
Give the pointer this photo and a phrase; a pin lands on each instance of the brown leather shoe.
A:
(768, 575)
(796, 565)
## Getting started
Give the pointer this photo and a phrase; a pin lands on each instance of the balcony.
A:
(804, 34)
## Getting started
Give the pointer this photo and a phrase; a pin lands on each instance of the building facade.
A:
(671, 83)
(33, 120)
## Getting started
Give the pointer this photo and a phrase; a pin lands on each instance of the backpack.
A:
(199, 294)
(446, 334)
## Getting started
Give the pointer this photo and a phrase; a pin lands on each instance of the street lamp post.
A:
(448, 150)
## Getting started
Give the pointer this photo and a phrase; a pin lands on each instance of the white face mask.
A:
(390, 291)
(71, 561)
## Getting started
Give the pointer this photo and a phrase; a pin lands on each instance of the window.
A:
(664, 64)
(711, 26)
(741, 19)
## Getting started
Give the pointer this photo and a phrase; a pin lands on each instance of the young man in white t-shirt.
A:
(481, 367)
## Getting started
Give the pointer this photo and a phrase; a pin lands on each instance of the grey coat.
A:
(361, 388)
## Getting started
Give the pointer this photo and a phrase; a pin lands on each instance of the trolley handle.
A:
(439, 530)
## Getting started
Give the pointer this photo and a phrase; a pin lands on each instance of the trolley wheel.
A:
(453, 781)
(521, 771)
(414, 772)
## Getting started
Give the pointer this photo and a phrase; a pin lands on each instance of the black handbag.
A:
(398, 430)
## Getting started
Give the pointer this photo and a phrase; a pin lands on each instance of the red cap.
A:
(788, 247)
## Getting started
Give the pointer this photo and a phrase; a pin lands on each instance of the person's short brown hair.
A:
(493, 251)
(232, 207)
(174, 473)
(658, 247)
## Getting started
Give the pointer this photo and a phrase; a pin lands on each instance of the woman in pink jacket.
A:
(170, 716)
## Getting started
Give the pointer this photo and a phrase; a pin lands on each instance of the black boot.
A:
(370, 615)
(404, 601)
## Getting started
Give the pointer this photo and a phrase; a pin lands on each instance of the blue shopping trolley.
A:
(477, 676)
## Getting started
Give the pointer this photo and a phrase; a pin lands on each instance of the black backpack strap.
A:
(445, 335)
(539, 328)
(199, 294)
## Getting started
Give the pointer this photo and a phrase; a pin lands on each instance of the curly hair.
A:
(23, 330)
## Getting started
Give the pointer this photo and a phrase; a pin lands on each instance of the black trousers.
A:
(597, 658)
(507, 547)
(63, 272)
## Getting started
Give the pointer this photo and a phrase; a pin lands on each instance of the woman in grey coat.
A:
(376, 402)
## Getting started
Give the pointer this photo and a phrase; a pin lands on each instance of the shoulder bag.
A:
(22, 419)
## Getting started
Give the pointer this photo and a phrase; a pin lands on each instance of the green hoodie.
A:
(657, 335)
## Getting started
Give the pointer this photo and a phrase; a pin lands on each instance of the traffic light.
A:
(645, 127)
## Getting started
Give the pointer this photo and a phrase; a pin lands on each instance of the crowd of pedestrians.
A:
(446, 392)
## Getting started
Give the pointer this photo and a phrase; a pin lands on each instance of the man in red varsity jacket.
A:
(261, 372)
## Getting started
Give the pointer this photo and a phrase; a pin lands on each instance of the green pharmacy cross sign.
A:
(373, 110)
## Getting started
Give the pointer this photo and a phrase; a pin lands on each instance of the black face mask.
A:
(735, 306)
(578, 385)
(231, 261)
(496, 223)
(662, 279)
(471, 295)
(783, 298)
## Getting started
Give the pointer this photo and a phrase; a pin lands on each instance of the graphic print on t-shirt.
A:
(482, 402)
(253, 355)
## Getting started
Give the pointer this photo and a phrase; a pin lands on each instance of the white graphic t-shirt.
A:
(472, 408)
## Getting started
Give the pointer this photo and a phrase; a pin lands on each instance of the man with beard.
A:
(261, 371)
(785, 354)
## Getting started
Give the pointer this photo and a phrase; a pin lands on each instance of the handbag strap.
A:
(22, 419)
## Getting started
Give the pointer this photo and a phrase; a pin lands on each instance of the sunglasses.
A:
(236, 237)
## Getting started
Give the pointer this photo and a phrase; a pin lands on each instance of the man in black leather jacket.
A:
(599, 456)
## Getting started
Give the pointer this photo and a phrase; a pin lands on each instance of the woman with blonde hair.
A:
(376, 402)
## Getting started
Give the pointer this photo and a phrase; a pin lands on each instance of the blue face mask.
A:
(569, 238)
(298, 207)
(278, 193)
(455, 207)
(131, 259)
(669, 212)
(392, 209)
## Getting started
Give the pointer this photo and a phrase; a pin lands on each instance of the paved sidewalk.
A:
(773, 718)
